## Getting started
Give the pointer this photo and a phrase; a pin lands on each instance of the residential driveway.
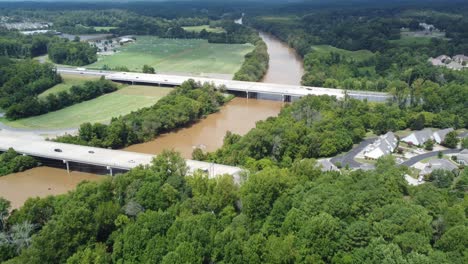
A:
(348, 158)
(418, 158)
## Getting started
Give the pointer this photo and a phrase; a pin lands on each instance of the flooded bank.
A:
(286, 66)
(238, 116)
(40, 182)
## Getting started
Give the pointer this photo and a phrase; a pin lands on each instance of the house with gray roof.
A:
(326, 165)
(460, 59)
(419, 137)
(438, 164)
(455, 66)
(384, 145)
(462, 157)
(439, 136)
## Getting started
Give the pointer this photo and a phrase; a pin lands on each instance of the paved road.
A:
(418, 158)
(348, 158)
(38, 131)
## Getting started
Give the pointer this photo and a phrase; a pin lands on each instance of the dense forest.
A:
(72, 53)
(53, 102)
(390, 55)
(298, 214)
(285, 209)
(22, 81)
(11, 162)
(183, 106)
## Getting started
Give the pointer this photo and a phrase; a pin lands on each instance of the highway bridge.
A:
(250, 89)
(111, 160)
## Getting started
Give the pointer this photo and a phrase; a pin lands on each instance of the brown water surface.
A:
(285, 65)
(238, 116)
(40, 182)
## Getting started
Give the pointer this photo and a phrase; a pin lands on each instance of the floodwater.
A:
(238, 116)
(40, 182)
(286, 65)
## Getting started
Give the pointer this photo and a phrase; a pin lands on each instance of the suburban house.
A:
(438, 164)
(444, 59)
(439, 136)
(462, 157)
(384, 145)
(462, 59)
(419, 137)
(463, 135)
(326, 165)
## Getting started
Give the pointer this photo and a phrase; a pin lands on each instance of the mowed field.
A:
(204, 27)
(69, 80)
(177, 55)
(101, 109)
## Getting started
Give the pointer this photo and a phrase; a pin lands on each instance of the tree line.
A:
(299, 214)
(12, 162)
(74, 53)
(183, 106)
(322, 126)
(53, 102)
(22, 81)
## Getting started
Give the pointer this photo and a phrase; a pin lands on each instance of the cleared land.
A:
(101, 109)
(357, 55)
(68, 81)
(177, 55)
(99, 29)
(204, 27)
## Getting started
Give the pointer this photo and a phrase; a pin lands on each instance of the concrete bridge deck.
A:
(107, 158)
(231, 85)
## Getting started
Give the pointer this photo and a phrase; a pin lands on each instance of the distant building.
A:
(438, 164)
(439, 136)
(463, 135)
(462, 157)
(419, 137)
(455, 66)
(384, 145)
(326, 165)
(444, 58)
(460, 58)
(125, 40)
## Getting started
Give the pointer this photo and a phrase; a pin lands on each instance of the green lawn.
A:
(359, 55)
(101, 109)
(177, 55)
(105, 29)
(68, 82)
(205, 27)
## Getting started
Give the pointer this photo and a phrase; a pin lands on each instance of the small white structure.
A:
(419, 137)
(384, 145)
(326, 165)
(439, 136)
(125, 40)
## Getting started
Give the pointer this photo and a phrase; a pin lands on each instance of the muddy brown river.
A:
(40, 182)
(238, 116)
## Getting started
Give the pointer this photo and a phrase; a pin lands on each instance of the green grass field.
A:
(105, 29)
(359, 55)
(101, 109)
(68, 81)
(205, 27)
(177, 55)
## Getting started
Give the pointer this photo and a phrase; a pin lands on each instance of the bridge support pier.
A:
(68, 166)
(110, 170)
(247, 94)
